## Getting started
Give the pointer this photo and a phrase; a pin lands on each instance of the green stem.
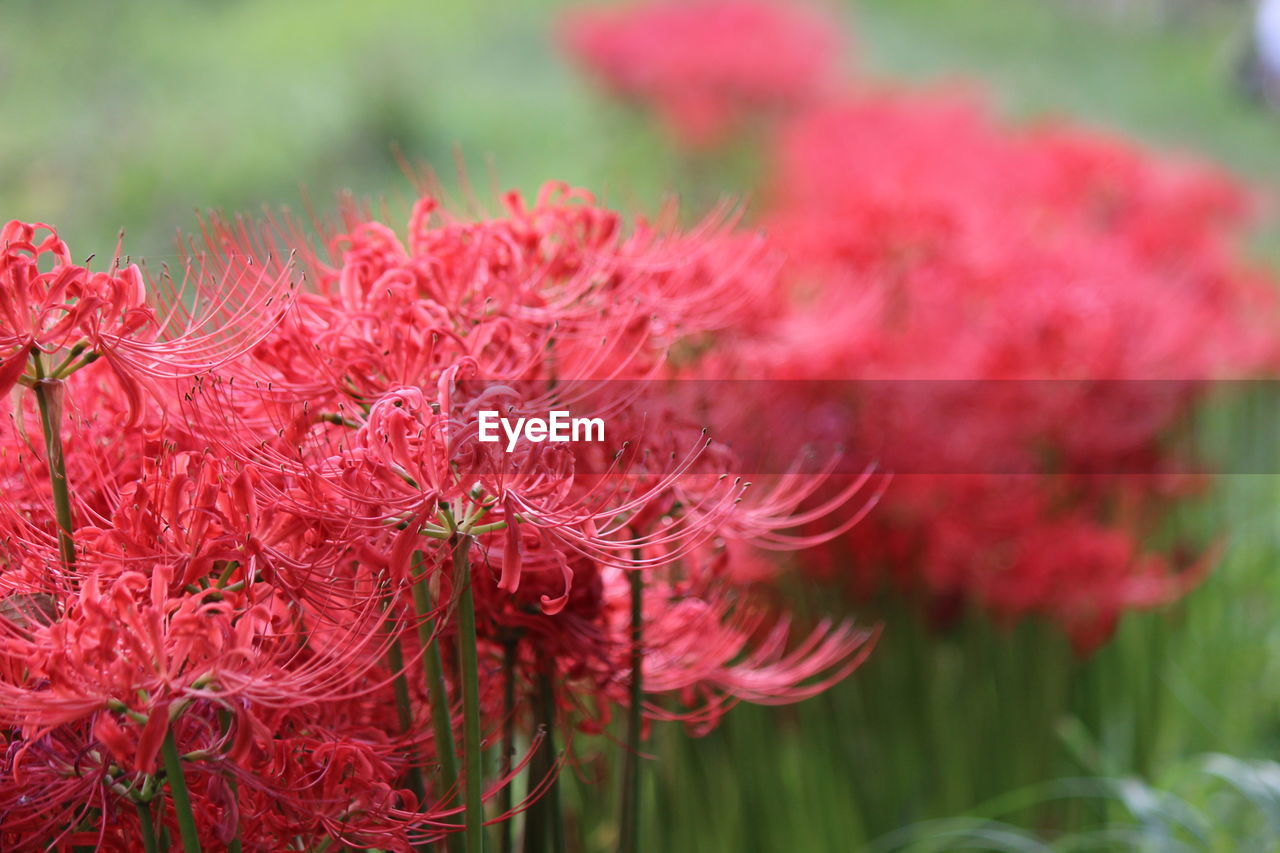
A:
(509, 650)
(404, 709)
(235, 845)
(629, 821)
(554, 811)
(178, 791)
(51, 425)
(543, 821)
(147, 827)
(71, 365)
(535, 817)
(225, 720)
(441, 715)
(469, 669)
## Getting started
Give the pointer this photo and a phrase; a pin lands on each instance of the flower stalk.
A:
(181, 797)
(404, 708)
(433, 670)
(629, 822)
(510, 649)
(547, 701)
(544, 825)
(469, 669)
(147, 827)
(48, 393)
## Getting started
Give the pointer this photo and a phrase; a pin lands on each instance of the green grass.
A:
(132, 114)
(937, 727)
(1170, 87)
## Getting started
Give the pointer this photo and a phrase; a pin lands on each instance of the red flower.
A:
(706, 65)
(268, 577)
(952, 271)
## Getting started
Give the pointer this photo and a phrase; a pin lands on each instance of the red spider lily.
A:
(712, 647)
(50, 787)
(276, 603)
(325, 784)
(143, 329)
(931, 244)
(583, 301)
(704, 66)
(45, 311)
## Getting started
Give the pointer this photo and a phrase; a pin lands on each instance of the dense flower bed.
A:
(262, 585)
(1059, 298)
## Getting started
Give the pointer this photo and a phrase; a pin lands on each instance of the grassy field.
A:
(130, 115)
(1170, 87)
(133, 114)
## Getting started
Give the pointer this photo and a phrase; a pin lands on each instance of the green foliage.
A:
(1213, 803)
(985, 722)
(131, 114)
(1172, 88)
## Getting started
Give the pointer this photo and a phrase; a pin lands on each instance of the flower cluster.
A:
(1024, 313)
(263, 585)
(703, 67)
(1036, 309)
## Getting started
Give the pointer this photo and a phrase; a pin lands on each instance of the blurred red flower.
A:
(705, 66)
(1046, 300)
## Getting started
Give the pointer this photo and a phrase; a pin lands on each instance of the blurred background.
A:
(132, 115)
